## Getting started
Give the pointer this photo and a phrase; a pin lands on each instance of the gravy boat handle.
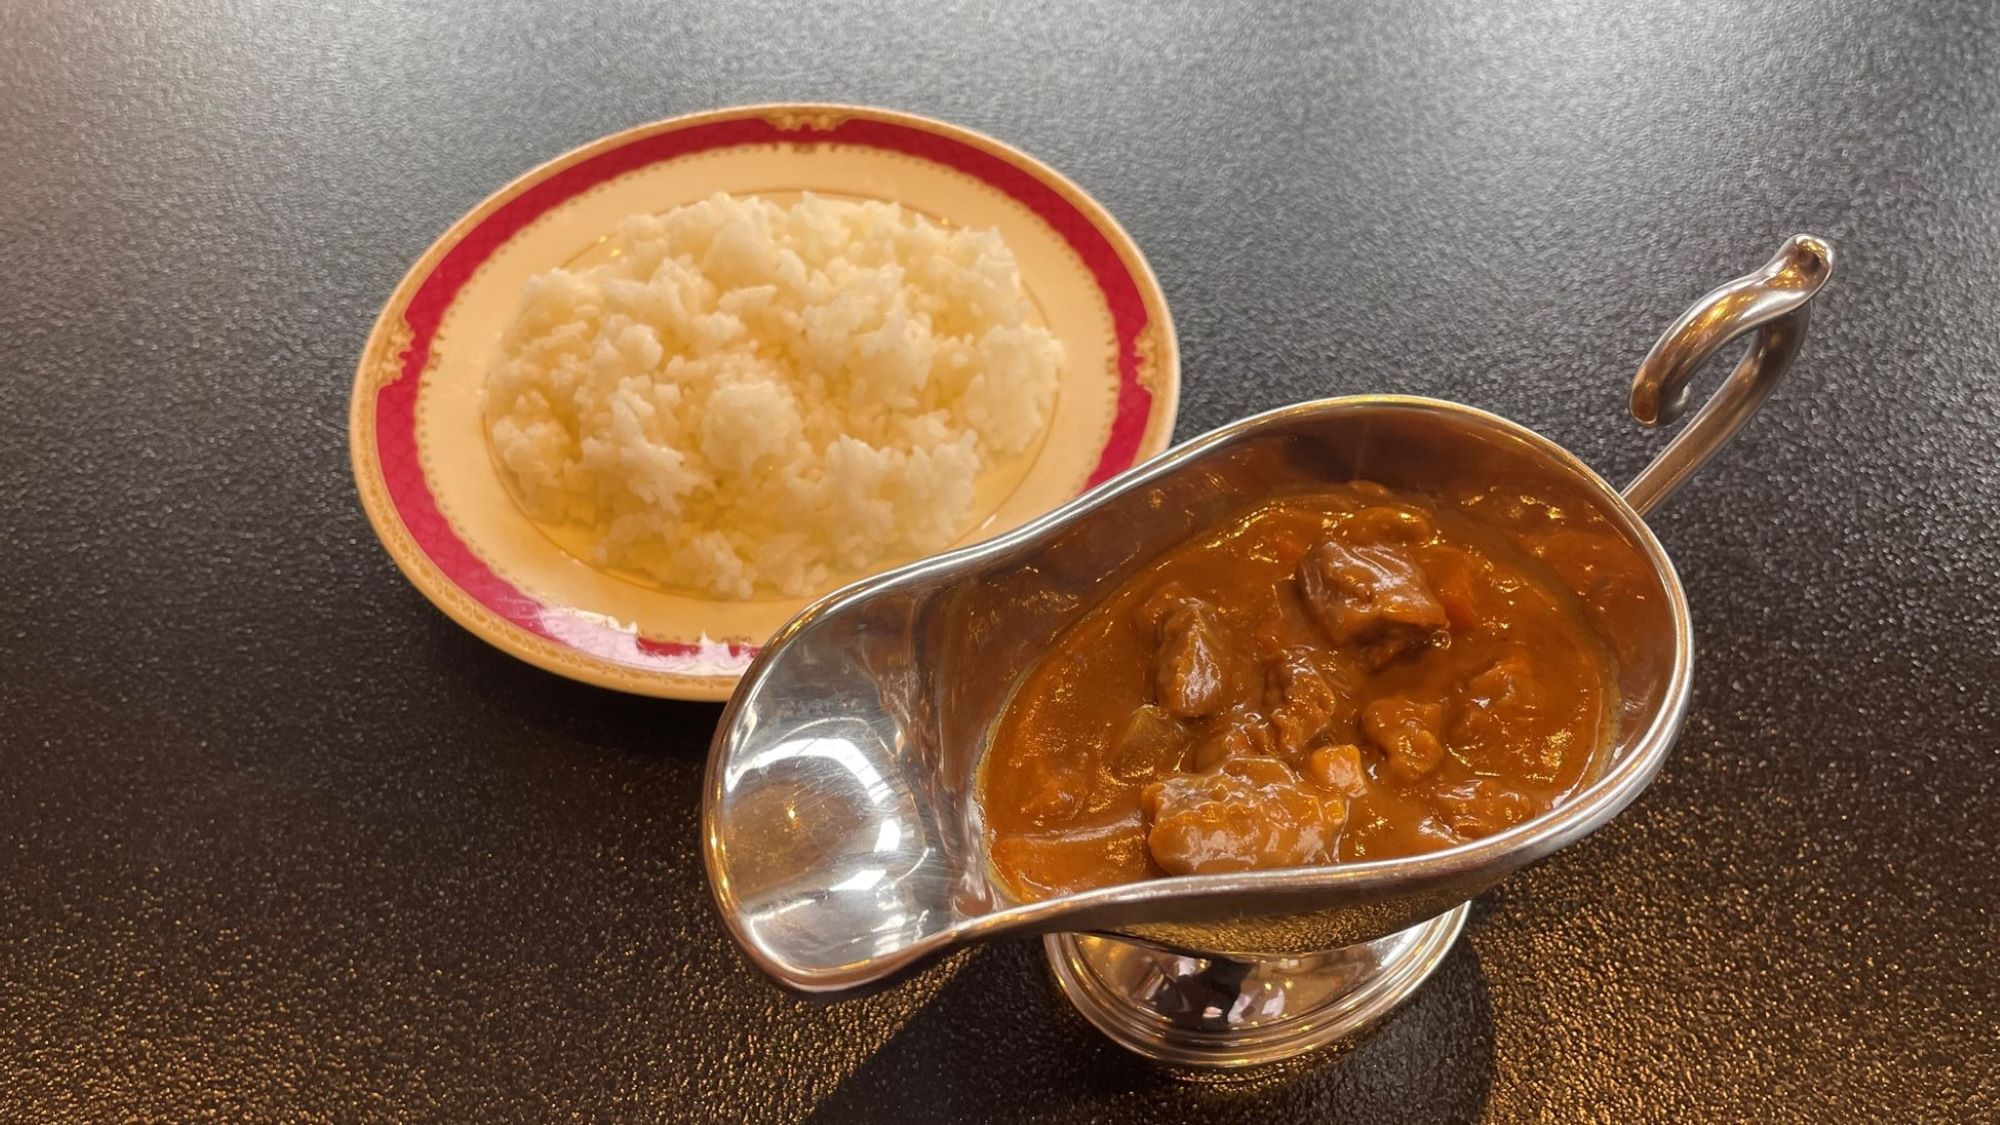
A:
(1772, 301)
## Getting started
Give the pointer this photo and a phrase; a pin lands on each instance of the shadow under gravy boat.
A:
(843, 834)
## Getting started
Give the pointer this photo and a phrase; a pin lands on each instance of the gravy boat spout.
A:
(844, 839)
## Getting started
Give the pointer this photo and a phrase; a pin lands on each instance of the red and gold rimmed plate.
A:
(421, 459)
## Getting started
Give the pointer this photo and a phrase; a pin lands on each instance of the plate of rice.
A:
(642, 405)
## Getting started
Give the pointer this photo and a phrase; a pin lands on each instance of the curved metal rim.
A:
(1560, 826)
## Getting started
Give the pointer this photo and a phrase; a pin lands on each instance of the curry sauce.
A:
(1342, 675)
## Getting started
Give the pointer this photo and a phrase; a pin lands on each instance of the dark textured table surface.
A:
(280, 842)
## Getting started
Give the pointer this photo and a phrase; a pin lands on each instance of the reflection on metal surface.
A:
(842, 839)
(827, 828)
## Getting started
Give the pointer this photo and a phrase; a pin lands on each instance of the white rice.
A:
(753, 397)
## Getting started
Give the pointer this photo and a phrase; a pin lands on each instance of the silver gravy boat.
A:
(843, 840)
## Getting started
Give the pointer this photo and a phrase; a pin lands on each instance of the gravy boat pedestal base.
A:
(1224, 1013)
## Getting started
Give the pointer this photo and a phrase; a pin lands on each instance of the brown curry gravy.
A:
(1342, 675)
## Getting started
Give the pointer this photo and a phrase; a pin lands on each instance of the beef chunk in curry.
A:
(1191, 678)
